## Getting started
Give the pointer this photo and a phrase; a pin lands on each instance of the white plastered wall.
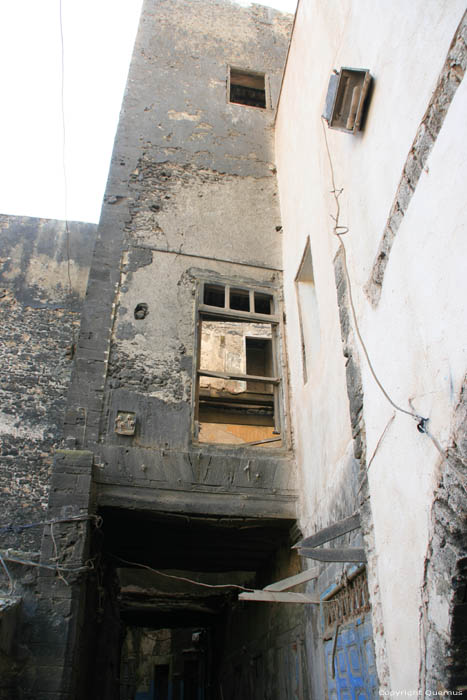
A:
(417, 335)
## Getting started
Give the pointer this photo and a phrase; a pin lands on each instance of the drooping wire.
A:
(65, 179)
(340, 231)
(4, 529)
(183, 578)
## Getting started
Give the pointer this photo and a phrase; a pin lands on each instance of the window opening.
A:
(308, 313)
(263, 303)
(240, 299)
(214, 295)
(247, 88)
(237, 384)
(259, 363)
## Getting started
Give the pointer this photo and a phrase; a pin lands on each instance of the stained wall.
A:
(401, 200)
(38, 319)
(191, 194)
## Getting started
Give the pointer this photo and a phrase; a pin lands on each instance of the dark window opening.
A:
(247, 88)
(214, 295)
(259, 363)
(263, 303)
(240, 299)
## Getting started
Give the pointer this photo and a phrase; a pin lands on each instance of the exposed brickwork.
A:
(356, 398)
(445, 590)
(449, 80)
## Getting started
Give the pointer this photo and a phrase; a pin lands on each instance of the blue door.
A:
(354, 676)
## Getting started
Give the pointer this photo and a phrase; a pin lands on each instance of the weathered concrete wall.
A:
(412, 320)
(191, 192)
(38, 318)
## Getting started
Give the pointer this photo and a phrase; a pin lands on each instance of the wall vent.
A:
(346, 99)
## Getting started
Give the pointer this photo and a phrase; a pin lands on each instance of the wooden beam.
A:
(328, 554)
(260, 442)
(331, 532)
(292, 581)
(234, 315)
(238, 377)
(270, 597)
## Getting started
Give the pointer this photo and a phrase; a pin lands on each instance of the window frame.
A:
(274, 319)
(247, 71)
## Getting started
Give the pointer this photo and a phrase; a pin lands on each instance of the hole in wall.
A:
(141, 311)
(247, 88)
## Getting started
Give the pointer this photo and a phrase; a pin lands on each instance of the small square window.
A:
(214, 295)
(247, 88)
(263, 303)
(240, 299)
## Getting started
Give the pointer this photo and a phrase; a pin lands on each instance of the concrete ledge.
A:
(198, 502)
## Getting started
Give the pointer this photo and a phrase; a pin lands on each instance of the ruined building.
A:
(268, 380)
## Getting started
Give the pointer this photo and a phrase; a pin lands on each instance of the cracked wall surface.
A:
(38, 316)
(192, 194)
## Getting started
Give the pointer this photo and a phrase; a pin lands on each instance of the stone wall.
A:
(38, 319)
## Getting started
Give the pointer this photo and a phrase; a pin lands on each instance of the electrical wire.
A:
(380, 440)
(183, 578)
(340, 231)
(52, 567)
(18, 528)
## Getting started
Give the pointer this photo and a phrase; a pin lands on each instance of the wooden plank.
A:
(260, 442)
(327, 554)
(237, 315)
(292, 581)
(331, 532)
(270, 597)
(238, 377)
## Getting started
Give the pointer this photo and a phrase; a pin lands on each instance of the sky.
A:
(98, 38)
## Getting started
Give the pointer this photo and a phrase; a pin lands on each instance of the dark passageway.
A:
(168, 622)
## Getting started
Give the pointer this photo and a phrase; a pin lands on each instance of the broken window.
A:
(247, 88)
(308, 316)
(237, 382)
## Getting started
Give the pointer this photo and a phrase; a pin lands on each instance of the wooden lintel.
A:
(331, 532)
(238, 377)
(272, 597)
(328, 554)
(228, 314)
(292, 581)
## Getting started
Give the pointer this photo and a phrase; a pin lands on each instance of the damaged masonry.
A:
(220, 493)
